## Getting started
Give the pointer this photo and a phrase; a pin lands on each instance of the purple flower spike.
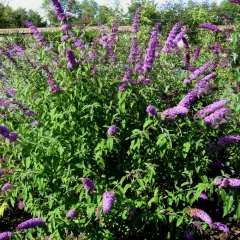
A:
(108, 201)
(59, 10)
(235, 1)
(31, 223)
(228, 139)
(195, 212)
(136, 23)
(71, 214)
(198, 226)
(196, 53)
(5, 235)
(151, 50)
(151, 111)
(200, 71)
(88, 184)
(203, 196)
(112, 130)
(171, 113)
(210, 27)
(12, 137)
(6, 186)
(134, 51)
(66, 27)
(221, 227)
(4, 131)
(70, 57)
(203, 82)
(123, 87)
(216, 116)
(188, 99)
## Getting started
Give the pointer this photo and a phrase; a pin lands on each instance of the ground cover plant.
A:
(122, 137)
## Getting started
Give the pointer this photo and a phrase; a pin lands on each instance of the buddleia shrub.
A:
(119, 137)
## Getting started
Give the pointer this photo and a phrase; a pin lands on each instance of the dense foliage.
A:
(127, 136)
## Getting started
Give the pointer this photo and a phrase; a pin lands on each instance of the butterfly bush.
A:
(82, 108)
(210, 27)
(5, 235)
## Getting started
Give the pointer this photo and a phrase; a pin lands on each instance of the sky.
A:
(36, 4)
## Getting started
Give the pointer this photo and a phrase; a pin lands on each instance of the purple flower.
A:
(171, 113)
(70, 57)
(5, 235)
(78, 43)
(4, 131)
(152, 45)
(211, 108)
(6, 186)
(235, 1)
(189, 68)
(3, 172)
(128, 74)
(123, 87)
(221, 227)
(196, 53)
(21, 205)
(108, 201)
(71, 214)
(36, 33)
(112, 130)
(59, 10)
(198, 226)
(195, 212)
(12, 91)
(151, 110)
(188, 99)
(171, 37)
(12, 137)
(146, 81)
(217, 115)
(228, 139)
(134, 50)
(186, 59)
(210, 27)
(88, 184)
(66, 27)
(203, 196)
(18, 50)
(200, 71)
(3, 160)
(203, 82)
(55, 89)
(179, 37)
(31, 223)
(64, 38)
(136, 23)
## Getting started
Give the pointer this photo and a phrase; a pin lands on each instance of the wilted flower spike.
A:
(71, 214)
(228, 139)
(195, 212)
(108, 201)
(5, 235)
(31, 223)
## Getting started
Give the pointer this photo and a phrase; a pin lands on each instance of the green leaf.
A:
(199, 190)
(179, 221)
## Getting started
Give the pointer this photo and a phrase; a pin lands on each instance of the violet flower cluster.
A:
(18, 50)
(36, 33)
(211, 108)
(196, 53)
(216, 116)
(9, 136)
(6, 187)
(228, 139)
(31, 223)
(112, 130)
(210, 27)
(70, 58)
(151, 111)
(136, 23)
(169, 42)
(71, 214)
(134, 50)
(202, 84)
(198, 213)
(235, 1)
(66, 27)
(59, 10)
(108, 201)
(5, 235)
(189, 99)
(151, 50)
(89, 185)
(227, 182)
(171, 113)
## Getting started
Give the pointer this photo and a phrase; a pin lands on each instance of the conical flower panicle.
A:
(31, 223)
(108, 201)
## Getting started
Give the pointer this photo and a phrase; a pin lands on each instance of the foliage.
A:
(157, 169)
